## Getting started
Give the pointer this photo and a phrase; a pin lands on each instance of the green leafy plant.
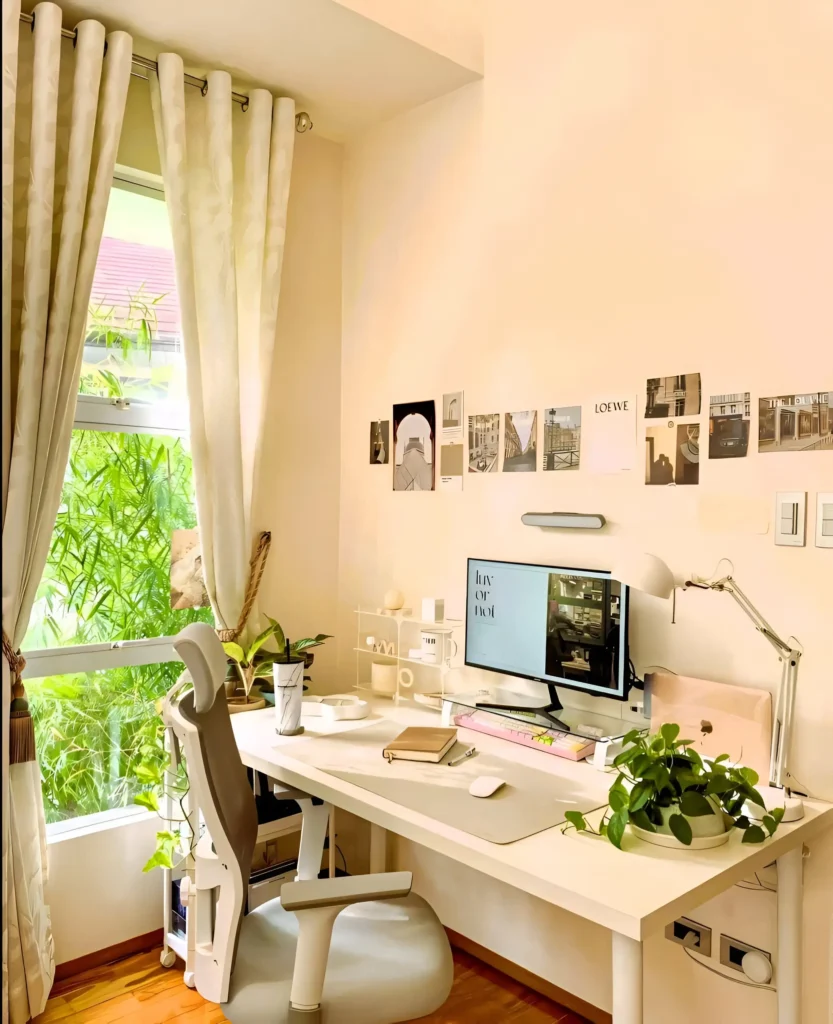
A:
(107, 578)
(662, 773)
(253, 662)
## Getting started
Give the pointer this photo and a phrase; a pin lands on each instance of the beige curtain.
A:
(63, 107)
(226, 173)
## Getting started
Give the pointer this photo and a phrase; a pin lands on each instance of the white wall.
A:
(632, 192)
(97, 893)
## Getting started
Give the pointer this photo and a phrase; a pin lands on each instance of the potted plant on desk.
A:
(255, 663)
(667, 794)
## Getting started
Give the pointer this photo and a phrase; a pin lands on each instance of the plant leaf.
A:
(750, 775)
(640, 795)
(770, 824)
(235, 651)
(641, 820)
(259, 641)
(695, 805)
(617, 798)
(778, 814)
(616, 827)
(277, 632)
(752, 794)
(576, 818)
(147, 799)
(754, 834)
(681, 828)
(669, 732)
(742, 822)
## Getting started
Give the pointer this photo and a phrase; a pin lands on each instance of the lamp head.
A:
(644, 572)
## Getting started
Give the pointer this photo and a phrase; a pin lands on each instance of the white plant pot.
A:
(707, 830)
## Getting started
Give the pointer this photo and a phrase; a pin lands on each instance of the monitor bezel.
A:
(625, 595)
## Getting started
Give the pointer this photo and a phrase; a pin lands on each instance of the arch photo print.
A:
(414, 441)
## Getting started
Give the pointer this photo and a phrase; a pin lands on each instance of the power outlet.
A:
(690, 934)
(732, 952)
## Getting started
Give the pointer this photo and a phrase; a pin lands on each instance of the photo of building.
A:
(793, 423)
(520, 441)
(484, 436)
(729, 425)
(413, 443)
(562, 438)
(670, 397)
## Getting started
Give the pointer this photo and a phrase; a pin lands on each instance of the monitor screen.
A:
(568, 627)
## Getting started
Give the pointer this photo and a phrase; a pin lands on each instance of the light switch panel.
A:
(824, 519)
(790, 518)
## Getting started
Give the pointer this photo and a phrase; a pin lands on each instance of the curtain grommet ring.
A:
(244, 106)
(204, 88)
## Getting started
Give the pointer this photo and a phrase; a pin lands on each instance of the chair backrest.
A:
(219, 777)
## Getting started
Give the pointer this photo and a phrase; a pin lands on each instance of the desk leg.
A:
(788, 976)
(378, 849)
(627, 980)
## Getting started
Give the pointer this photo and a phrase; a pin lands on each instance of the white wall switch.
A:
(433, 609)
(824, 519)
(791, 518)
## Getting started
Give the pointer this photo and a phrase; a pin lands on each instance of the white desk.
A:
(577, 873)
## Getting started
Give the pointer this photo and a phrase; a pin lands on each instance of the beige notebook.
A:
(421, 744)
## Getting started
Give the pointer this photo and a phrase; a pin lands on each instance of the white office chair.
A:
(355, 950)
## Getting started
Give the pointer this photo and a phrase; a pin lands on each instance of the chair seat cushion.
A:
(389, 961)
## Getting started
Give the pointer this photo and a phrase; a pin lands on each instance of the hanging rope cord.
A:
(256, 566)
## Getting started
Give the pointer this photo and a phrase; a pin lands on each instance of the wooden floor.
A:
(139, 991)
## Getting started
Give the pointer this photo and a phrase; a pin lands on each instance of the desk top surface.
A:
(634, 891)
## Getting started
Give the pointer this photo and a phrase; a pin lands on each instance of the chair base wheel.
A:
(167, 957)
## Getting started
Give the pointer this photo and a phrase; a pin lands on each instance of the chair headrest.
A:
(198, 646)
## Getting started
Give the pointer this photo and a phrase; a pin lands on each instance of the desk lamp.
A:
(651, 575)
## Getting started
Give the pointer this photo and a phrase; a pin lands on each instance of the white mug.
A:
(406, 678)
(434, 647)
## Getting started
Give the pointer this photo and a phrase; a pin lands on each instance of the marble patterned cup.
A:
(289, 691)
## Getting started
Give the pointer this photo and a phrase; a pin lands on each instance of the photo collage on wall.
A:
(601, 438)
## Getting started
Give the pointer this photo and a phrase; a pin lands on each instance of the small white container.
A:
(433, 609)
(289, 691)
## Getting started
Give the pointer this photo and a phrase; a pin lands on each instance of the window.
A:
(98, 649)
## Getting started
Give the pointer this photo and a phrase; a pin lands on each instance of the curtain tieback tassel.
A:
(21, 726)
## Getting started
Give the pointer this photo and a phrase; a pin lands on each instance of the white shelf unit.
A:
(403, 623)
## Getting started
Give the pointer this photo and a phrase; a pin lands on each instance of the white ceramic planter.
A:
(707, 830)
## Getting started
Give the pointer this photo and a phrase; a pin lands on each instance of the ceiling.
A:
(346, 70)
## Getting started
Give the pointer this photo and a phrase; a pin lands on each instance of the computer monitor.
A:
(557, 626)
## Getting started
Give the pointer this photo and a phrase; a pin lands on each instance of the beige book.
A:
(421, 744)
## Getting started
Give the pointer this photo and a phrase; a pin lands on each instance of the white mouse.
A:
(486, 785)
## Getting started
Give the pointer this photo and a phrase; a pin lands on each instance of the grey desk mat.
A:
(530, 802)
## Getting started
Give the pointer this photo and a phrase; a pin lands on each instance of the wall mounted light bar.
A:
(564, 520)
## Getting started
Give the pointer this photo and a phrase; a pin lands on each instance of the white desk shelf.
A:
(404, 623)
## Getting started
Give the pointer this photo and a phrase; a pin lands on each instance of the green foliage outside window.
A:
(107, 578)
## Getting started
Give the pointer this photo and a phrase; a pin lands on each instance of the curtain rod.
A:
(303, 122)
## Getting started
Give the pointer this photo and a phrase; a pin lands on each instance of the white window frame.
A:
(126, 416)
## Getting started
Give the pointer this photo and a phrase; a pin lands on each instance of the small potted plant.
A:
(247, 665)
(667, 794)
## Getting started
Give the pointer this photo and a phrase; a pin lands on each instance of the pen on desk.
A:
(462, 757)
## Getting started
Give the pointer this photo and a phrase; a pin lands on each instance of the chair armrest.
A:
(334, 892)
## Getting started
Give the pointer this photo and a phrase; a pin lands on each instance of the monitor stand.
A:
(547, 711)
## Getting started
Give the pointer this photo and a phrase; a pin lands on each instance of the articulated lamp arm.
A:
(790, 657)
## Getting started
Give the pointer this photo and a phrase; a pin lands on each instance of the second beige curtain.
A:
(226, 174)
